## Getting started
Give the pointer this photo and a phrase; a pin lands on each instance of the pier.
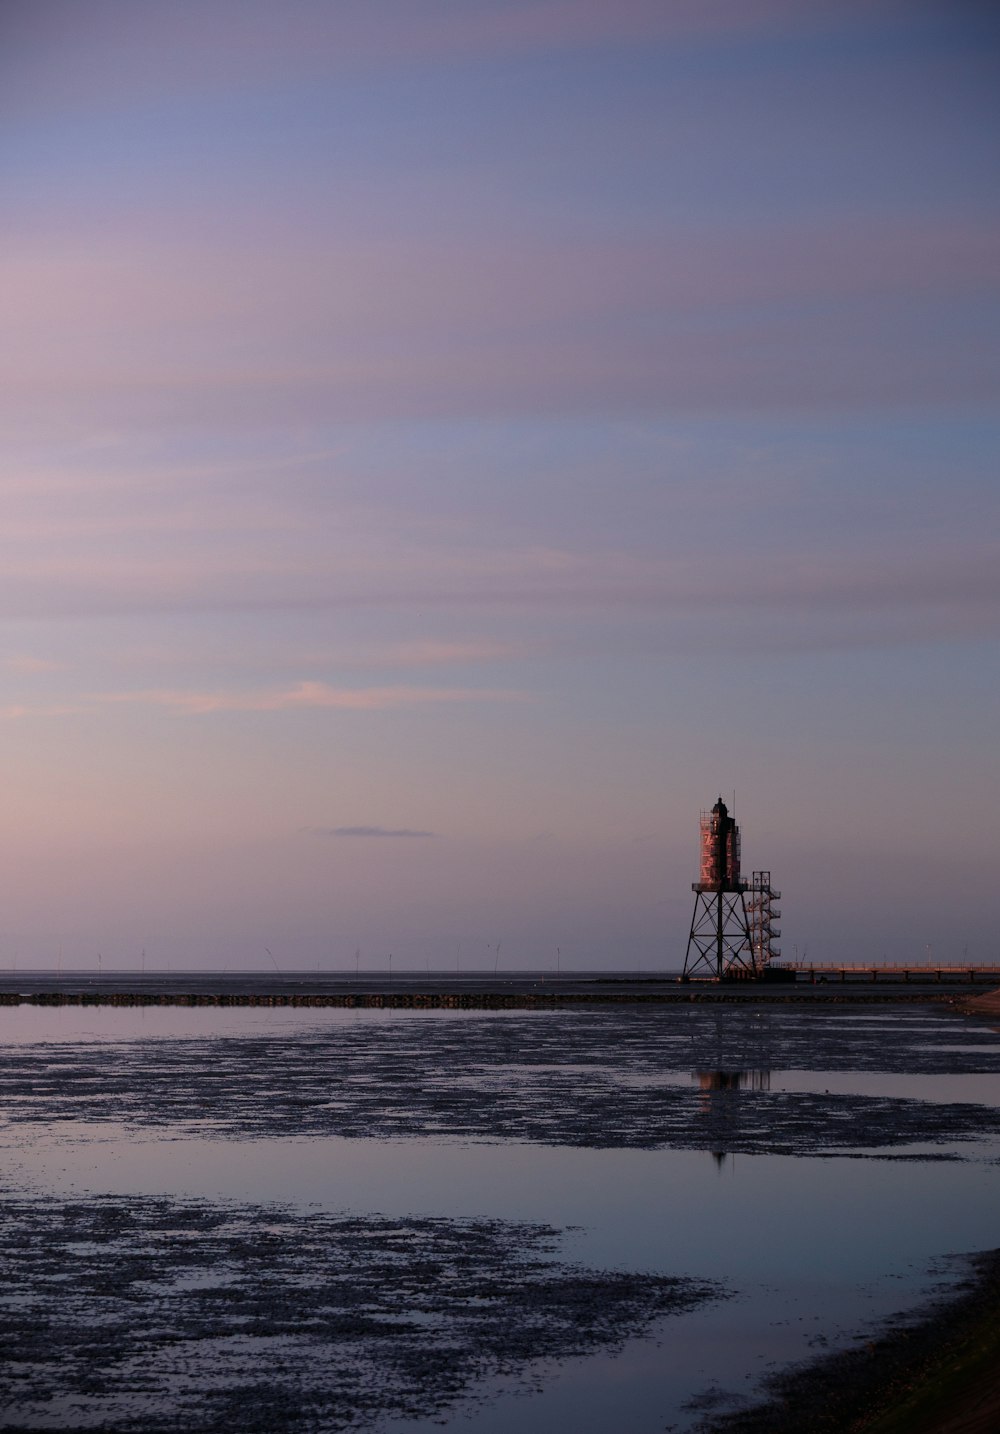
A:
(915, 971)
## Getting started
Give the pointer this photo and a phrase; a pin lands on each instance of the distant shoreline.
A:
(516, 992)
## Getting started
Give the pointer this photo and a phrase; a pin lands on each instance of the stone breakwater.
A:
(464, 1001)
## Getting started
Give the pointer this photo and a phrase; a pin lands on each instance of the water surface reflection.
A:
(610, 1132)
(732, 1080)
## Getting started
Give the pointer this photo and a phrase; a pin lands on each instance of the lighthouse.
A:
(720, 943)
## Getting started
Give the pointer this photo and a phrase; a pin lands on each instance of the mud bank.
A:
(163, 1314)
(934, 1372)
(683, 1078)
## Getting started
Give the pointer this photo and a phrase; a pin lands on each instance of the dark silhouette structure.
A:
(720, 943)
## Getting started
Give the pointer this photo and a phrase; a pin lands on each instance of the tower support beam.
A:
(720, 942)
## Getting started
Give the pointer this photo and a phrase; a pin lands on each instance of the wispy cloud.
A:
(100, 54)
(26, 663)
(301, 697)
(428, 653)
(942, 566)
(371, 832)
(17, 711)
(304, 695)
(768, 317)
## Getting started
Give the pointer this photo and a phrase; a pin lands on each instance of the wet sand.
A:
(153, 1314)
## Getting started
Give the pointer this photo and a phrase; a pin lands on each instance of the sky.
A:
(445, 444)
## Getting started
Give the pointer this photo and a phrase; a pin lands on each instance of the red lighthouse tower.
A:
(720, 942)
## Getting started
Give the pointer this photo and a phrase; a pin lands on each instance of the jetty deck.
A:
(966, 973)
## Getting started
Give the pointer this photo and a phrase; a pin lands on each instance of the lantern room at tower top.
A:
(720, 851)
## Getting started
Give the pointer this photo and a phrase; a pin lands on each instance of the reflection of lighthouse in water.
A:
(720, 942)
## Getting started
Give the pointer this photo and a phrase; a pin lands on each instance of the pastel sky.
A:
(447, 443)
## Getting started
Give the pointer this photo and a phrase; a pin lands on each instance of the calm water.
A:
(819, 1163)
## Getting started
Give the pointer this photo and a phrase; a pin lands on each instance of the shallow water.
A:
(807, 1169)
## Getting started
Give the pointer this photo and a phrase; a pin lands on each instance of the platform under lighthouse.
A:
(720, 943)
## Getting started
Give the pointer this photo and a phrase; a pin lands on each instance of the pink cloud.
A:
(15, 711)
(304, 695)
(26, 663)
(301, 696)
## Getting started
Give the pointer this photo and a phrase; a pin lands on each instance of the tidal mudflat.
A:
(329, 1219)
